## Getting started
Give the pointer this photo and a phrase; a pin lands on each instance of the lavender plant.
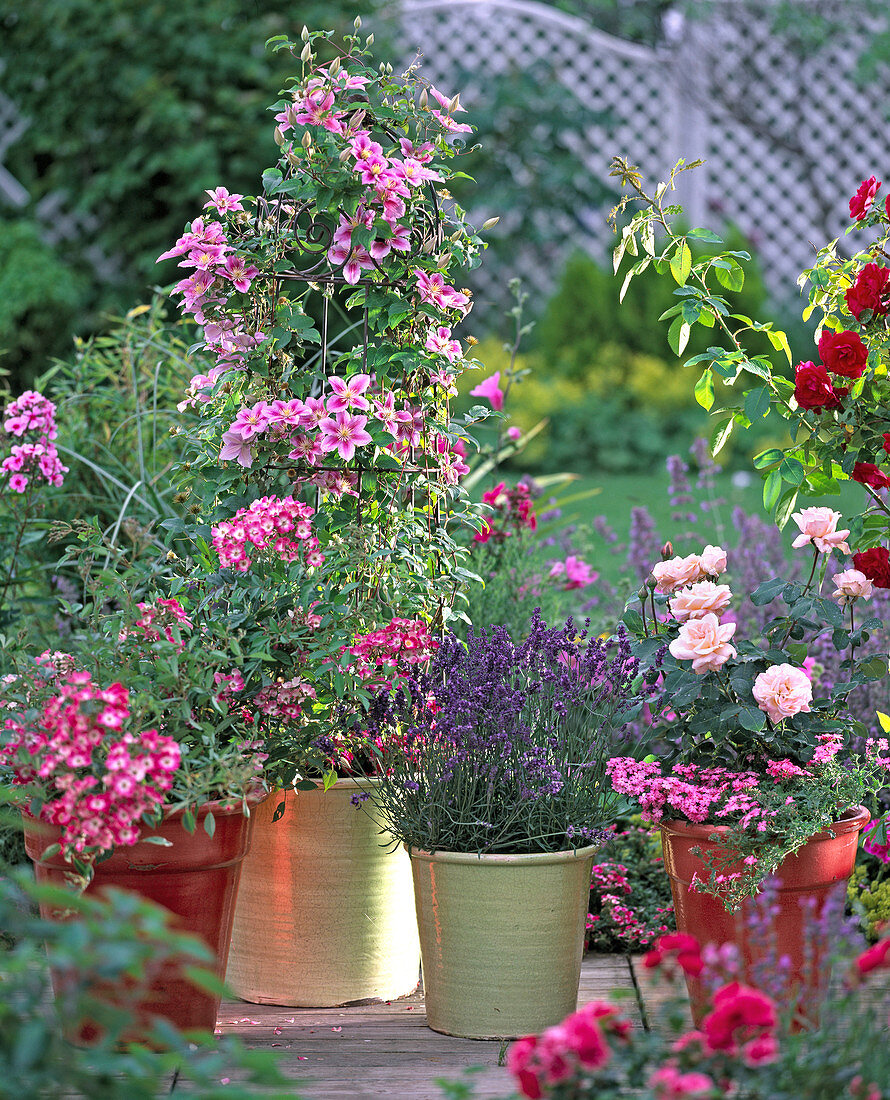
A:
(502, 747)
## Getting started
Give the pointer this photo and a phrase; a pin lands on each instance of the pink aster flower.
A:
(783, 691)
(343, 434)
(705, 642)
(819, 527)
(491, 391)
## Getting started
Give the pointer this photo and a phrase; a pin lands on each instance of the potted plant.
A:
(494, 780)
(323, 473)
(132, 770)
(760, 773)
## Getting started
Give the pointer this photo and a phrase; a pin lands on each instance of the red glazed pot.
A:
(805, 879)
(195, 878)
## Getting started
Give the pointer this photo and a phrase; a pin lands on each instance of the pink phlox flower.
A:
(343, 434)
(785, 769)
(347, 393)
(223, 201)
(491, 391)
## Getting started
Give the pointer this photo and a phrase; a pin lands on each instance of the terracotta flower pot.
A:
(195, 878)
(805, 881)
(325, 915)
(501, 938)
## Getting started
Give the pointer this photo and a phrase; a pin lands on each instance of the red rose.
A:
(869, 291)
(812, 387)
(843, 353)
(887, 442)
(866, 473)
(861, 202)
(875, 564)
(875, 958)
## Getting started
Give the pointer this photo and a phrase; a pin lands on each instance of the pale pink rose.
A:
(851, 585)
(713, 561)
(819, 526)
(783, 691)
(677, 573)
(699, 599)
(705, 642)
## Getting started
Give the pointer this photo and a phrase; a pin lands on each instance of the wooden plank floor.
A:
(386, 1051)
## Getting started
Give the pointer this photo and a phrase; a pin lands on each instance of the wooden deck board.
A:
(386, 1051)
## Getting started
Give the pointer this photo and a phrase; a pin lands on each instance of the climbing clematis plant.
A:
(325, 465)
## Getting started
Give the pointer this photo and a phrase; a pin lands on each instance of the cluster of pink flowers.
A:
(574, 572)
(610, 882)
(285, 701)
(391, 651)
(280, 525)
(581, 1044)
(513, 513)
(96, 781)
(165, 617)
(34, 416)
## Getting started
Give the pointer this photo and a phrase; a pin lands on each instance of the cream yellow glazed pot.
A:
(325, 914)
(501, 939)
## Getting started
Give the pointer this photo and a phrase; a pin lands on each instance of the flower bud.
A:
(345, 154)
(306, 140)
(357, 22)
(278, 136)
(491, 223)
(306, 53)
(471, 341)
(454, 103)
(423, 99)
(334, 66)
(642, 593)
(667, 551)
(304, 34)
(651, 582)
(369, 41)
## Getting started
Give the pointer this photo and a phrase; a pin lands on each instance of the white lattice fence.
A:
(624, 86)
(786, 138)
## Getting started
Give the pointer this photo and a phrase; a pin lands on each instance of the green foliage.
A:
(135, 109)
(41, 296)
(101, 959)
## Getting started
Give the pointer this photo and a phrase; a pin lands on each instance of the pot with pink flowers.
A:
(762, 770)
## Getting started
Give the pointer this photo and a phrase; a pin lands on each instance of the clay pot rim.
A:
(356, 782)
(852, 820)
(504, 858)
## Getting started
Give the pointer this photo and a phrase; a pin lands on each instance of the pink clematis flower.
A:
(240, 272)
(252, 421)
(491, 390)
(348, 393)
(222, 201)
(355, 260)
(343, 434)
(234, 446)
(439, 341)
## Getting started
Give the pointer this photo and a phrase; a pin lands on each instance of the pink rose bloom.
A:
(668, 1083)
(851, 585)
(713, 561)
(819, 526)
(705, 642)
(677, 573)
(783, 691)
(700, 599)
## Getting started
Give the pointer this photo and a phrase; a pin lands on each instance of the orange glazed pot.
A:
(195, 878)
(805, 880)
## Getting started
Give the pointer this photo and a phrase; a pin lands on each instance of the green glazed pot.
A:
(501, 939)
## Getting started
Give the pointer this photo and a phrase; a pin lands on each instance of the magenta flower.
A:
(222, 201)
(241, 274)
(343, 434)
(234, 446)
(348, 393)
(252, 421)
(354, 259)
(490, 390)
(439, 341)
